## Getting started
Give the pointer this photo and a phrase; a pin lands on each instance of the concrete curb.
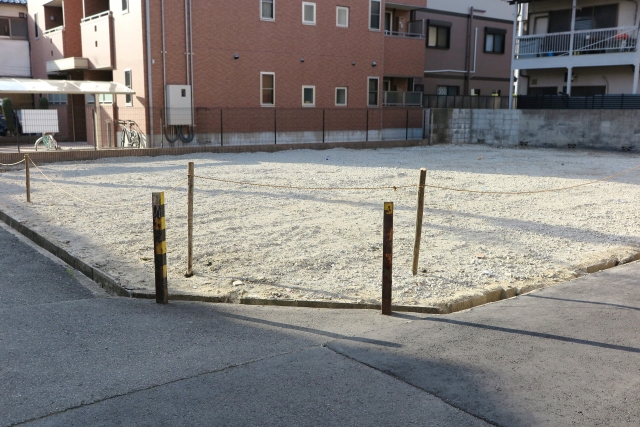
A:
(114, 287)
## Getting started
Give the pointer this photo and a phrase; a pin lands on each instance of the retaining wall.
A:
(600, 129)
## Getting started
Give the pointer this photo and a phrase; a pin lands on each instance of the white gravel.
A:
(327, 245)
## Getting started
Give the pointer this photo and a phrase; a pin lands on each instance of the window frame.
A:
(338, 9)
(448, 87)
(346, 96)
(489, 31)
(273, 89)
(377, 104)
(8, 27)
(313, 104)
(52, 101)
(35, 25)
(307, 3)
(273, 10)
(124, 11)
(379, 15)
(13, 36)
(438, 25)
(101, 99)
(128, 99)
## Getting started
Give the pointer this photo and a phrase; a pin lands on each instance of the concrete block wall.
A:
(600, 129)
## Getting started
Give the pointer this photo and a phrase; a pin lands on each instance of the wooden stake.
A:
(387, 258)
(160, 248)
(27, 160)
(416, 244)
(191, 172)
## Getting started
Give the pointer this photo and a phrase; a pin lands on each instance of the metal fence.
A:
(565, 102)
(79, 124)
(466, 102)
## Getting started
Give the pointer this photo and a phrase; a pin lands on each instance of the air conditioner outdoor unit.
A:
(178, 107)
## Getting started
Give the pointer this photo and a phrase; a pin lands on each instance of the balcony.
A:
(415, 29)
(97, 33)
(402, 99)
(610, 46)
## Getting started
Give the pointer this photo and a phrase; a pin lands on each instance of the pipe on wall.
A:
(149, 70)
(191, 58)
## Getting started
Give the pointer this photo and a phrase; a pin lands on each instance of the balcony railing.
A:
(415, 29)
(623, 39)
(96, 16)
(53, 30)
(393, 98)
(401, 34)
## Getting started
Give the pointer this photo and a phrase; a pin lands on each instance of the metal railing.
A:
(402, 34)
(622, 39)
(566, 102)
(394, 98)
(467, 102)
(53, 30)
(96, 16)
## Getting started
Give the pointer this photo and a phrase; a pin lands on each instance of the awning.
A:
(70, 87)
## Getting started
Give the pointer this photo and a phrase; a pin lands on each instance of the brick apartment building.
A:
(191, 63)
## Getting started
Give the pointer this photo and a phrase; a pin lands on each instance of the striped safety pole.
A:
(160, 247)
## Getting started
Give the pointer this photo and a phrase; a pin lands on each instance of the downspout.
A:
(149, 71)
(513, 56)
(186, 38)
(191, 57)
(467, 61)
(164, 72)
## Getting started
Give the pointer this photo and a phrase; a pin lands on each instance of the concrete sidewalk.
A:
(70, 355)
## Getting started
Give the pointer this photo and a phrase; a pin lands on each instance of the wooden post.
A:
(160, 248)
(387, 258)
(191, 172)
(27, 160)
(416, 244)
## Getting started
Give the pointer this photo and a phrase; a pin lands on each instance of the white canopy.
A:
(70, 87)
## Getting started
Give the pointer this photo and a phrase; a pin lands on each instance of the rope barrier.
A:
(294, 187)
(396, 187)
(98, 204)
(12, 164)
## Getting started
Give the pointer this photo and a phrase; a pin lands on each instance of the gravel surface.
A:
(327, 245)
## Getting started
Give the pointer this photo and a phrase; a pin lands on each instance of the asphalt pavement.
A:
(71, 355)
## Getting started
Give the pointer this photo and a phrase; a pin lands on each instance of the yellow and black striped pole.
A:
(160, 247)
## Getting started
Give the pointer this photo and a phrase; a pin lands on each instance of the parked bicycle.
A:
(48, 141)
(131, 135)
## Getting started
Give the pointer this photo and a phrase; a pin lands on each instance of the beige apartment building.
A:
(468, 45)
(199, 67)
(14, 43)
(577, 47)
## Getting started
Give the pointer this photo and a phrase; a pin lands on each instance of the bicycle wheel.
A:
(134, 140)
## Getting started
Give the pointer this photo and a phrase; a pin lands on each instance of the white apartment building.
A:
(576, 47)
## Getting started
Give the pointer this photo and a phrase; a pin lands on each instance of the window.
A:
(128, 99)
(494, 40)
(374, 15)
(308, 13)
(4, 27)
(587, 18)
(267, 89)
(495, 92)
(438, 34)
(35, 23)
(448, 90)
(475, 92)
(308, 96)
(372, 100)
(267, 10)
(104, 98)
(341, 96)
(342, 16)
(58, 99)
(125, 6)
(19, 29)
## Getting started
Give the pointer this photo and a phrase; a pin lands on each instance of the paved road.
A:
(72, 356)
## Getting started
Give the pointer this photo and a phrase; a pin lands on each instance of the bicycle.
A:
(130, 137)
(48, 141)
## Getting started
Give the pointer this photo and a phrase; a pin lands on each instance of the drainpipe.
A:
(191, 57)
(513, 57)
(467, 65)
(164, 72)
(573, 29)
(98, 121)
(149, 71)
